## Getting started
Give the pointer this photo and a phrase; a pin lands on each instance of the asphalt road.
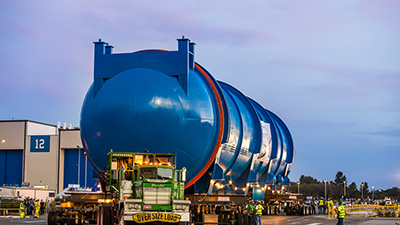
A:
(266, 220)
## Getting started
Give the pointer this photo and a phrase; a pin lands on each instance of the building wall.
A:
(13, 133)
(41, 167)
(24, 192)
(34, 128)
(70, 139)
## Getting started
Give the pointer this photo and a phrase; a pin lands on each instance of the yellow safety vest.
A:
(341, 212)
(259, 209)
(21, 206)
(330, 203)
(321, 202)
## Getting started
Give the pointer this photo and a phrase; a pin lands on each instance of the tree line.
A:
(335, 188)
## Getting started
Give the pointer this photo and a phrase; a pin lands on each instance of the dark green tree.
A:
(334, 189)
(308, 180)
(292, 188)
(352, 191)
(340, 178)
(393, 192)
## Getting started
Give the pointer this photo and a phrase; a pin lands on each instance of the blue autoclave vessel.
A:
(164, 102)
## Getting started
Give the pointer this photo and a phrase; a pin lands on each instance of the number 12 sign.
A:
(40, 143)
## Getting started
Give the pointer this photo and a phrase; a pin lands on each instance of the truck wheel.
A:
(104, 216)
(52, 218)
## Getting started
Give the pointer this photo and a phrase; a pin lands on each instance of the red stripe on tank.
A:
(145, 50)
(221, 127)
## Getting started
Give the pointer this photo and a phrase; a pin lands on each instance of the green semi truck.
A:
(137, 188)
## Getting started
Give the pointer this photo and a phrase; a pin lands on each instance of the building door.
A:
(11, 167)
(78, 170)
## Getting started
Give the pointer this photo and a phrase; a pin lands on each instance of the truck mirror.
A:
(183, 174)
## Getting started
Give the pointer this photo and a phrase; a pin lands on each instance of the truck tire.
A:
(52, 218)
(104, 216)
(107, 216)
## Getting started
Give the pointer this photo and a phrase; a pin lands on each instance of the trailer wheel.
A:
(288, 211)
(52, 218)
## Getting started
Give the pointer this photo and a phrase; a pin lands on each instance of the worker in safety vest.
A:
(329, 205)
(340, 212)
(259, 209)
(21, 210)
(321, 206)
(251, 213)
(37, 209)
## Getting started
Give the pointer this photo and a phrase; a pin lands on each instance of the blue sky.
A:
(329, 69)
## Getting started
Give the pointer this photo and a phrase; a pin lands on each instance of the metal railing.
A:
(6, 211)
(392, 210)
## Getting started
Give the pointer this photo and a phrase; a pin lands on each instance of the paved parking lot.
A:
(266, 220)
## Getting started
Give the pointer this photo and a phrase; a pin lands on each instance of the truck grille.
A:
(157, 196)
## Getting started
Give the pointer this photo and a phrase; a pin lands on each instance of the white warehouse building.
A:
(34, 154)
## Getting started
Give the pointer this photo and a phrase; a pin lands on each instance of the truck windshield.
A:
(156, 173)
(164, 173)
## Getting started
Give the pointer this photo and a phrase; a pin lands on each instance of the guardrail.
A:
(392, 210)
(6, 211)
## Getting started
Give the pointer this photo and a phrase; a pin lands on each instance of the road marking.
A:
(303, 223)
(34, 221)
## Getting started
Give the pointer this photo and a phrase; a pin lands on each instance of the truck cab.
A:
(148, 187)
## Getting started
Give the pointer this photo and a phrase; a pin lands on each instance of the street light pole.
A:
(325, 189)
(362, 191)
(344, 189)
(298, 187)
(373, 192)
(79, 164)
(85, 170)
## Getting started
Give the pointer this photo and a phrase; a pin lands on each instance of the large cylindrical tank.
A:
(165, 102)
